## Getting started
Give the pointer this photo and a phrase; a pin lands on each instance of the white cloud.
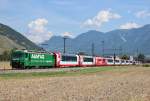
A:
(143, 14)
(67, 34)
(129, 25)
(38, 32)
(102, 17)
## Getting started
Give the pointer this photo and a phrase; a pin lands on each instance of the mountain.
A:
(9, 39)
(125, 41)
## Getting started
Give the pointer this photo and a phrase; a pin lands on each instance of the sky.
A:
(39, 20)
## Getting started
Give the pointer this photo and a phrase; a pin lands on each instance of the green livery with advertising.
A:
(32, 59)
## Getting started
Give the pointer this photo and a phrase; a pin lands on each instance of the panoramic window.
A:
(69, 58)
(110, 60)
(88, 59)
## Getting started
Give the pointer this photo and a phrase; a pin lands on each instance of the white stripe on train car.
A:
(87, 63)
(68, 62)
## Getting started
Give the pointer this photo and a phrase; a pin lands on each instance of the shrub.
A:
(146, 65)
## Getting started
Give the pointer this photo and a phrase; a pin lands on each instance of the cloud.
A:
(38, 32)
(101, 18)
(67, 34)
(129, 25)
(142, 14)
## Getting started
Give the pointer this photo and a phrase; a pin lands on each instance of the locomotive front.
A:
(17, 59)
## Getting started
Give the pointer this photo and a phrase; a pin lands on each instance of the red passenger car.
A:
(66, 60)
(100, 61)
(86, 61)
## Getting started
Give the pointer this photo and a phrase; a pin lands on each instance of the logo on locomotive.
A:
(37, 56)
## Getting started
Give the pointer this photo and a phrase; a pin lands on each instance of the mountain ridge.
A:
(129, 40)
(10, 39)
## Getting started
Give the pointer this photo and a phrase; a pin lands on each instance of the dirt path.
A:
(132, 84)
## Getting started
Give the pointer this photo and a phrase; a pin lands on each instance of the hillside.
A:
(130, 41)
(9, 39)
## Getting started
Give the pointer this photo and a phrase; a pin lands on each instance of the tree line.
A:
(5, 56)
(139, 57)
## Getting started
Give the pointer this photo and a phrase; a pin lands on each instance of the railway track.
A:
(41, 70)
(2, 71)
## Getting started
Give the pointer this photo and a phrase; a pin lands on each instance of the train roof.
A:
(32, 51)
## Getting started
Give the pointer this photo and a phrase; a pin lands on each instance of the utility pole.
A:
(120, 50)
(137, 54)
(114, 58)
(93, 47)
(103, 48)
(64, 44)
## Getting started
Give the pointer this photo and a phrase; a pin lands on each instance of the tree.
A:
(141, 57)
(125, 57)
(5, 56)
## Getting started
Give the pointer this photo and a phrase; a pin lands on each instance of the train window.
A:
(117, 61)
(69, 58)
(110, 60)
(122, 61)
(88, 59)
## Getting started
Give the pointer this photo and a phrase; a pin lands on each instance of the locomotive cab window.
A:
(18, 55)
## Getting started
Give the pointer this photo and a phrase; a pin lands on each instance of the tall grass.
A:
(5, 65)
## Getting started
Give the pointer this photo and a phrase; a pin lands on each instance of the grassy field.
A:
(91, 84)
(73, 72)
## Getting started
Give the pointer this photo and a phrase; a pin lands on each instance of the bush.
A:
(125, 57)
(146, 65)
(5, 56)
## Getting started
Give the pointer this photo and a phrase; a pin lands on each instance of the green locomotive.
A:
(23, 59)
